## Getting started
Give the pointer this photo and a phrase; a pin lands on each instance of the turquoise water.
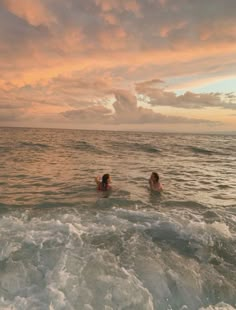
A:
(63, 245)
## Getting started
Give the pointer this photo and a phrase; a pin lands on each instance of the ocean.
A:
(64, 245)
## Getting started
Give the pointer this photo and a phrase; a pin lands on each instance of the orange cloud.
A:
(113, 39)
(33, 73)
(119, 5)
(163, 2)
(34, 12)
(110, 19)
(69, 41)
(166, 29)
(132, 6)
(222, 30)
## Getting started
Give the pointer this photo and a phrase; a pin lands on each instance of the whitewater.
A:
(64, 245)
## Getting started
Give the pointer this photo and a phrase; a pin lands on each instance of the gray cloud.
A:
(12, 113)
(149, 24)
(127, 111)
(7, 115)
(17, 37)
(158, 96)
(91, 115)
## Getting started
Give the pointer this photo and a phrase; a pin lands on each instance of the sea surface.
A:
(64, 245)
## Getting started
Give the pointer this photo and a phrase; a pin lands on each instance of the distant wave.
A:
(83, 145)
(87, 147)
(148, 148)
(185, 204)
(4, 149)
(33, 145)
(200, 150)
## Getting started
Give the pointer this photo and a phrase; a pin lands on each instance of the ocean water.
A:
(63, 245)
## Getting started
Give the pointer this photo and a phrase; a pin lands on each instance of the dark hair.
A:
(156, 175)
(105, 179)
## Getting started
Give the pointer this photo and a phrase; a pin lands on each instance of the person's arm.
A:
(97, 180)
(160, 187)
(151, 183)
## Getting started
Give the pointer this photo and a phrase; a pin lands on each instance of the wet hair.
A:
(105, 179)
(156, 176)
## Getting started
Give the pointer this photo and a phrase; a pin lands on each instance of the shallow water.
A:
(63, 245)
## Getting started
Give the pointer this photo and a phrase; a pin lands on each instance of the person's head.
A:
(105, 179)
(155, 177)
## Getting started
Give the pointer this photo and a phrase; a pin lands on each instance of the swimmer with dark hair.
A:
(104, 183)
(155, 183)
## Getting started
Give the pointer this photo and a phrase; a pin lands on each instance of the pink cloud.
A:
(119, 5)
(163, 2)
(94, 114)
(113, 39)
(165, 30)
(110, 18)
(34, 12)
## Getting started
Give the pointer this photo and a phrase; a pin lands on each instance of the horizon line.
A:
(130, 130)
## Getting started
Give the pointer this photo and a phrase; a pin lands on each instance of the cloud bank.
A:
(126, 111)
(87, 61)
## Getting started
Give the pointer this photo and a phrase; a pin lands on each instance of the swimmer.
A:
(104, 184)
(154, 182)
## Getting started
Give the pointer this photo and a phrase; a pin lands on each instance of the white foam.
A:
(206, 233)
(219, 306)
(21, 303)
(221, 229)
(69, 261)
(8, 248)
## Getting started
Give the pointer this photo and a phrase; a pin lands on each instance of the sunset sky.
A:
(155, 65)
